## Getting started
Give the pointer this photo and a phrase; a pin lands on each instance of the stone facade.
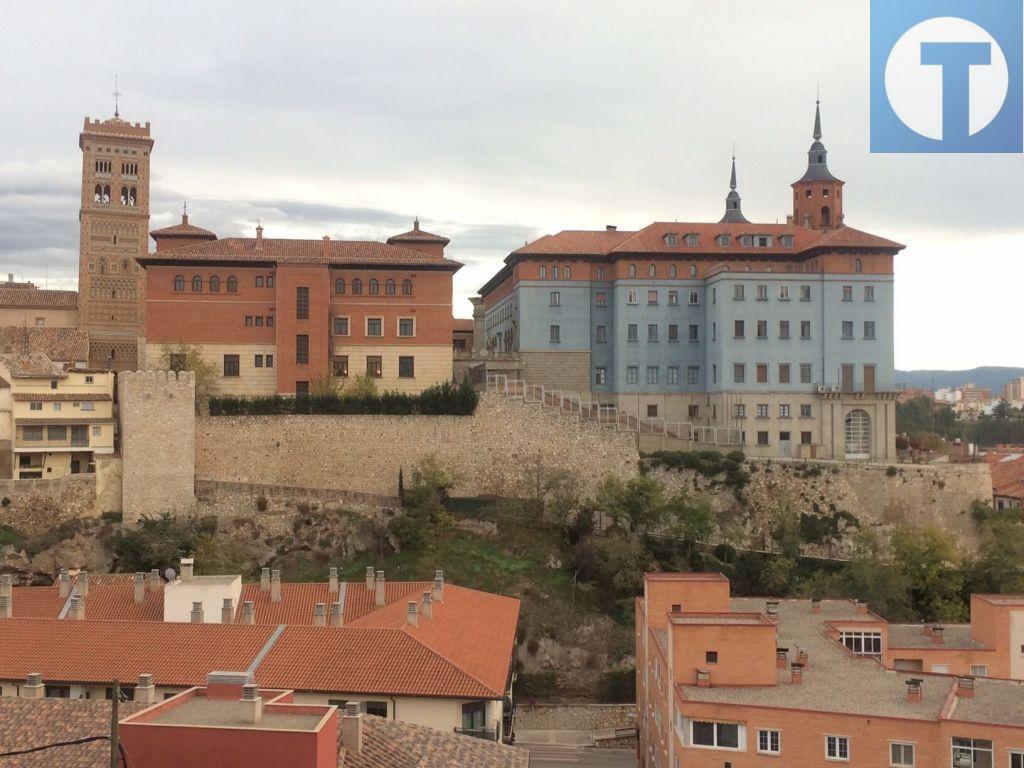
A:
(157, 427)
(491, 450)
(32, 506)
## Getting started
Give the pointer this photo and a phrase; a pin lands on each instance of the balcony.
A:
(488, 734)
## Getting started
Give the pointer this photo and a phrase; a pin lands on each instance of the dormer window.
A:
(786, 241)
(672, 240)
(747, 241)
(652, 271)
(693, 240)
(724, 240)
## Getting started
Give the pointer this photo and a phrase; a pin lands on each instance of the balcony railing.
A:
(489, 734)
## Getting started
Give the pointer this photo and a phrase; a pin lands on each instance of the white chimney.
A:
(248, 612)
(64, 582)
(352, 728)
(197, 612)
(378, 584)
(227, 611)
(82, 586)
(333, 581)
(154, 579)
(369, 577)
(145, 691)
(319, 615)
(427, 606)
(275, 586)
(6, 584)
(187, 566)
(265, 580)
(438, 586)
(412, 615)
(77, 610)
(252, 703)
(5, 607)
(140, 587)
(33, 687)
(337, 618)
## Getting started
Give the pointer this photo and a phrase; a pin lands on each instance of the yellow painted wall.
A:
(250, 381)
(433, 364)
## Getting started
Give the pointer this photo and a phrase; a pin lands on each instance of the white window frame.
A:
(741, 736)
(1016, 753)
(863, 637)
(398, 327)
(913, 754)
(632, 298)
(979, 670)
(778, 741)
(366, 327)
(838, 740)
(783, 293)
(348, 325)
(694, 298)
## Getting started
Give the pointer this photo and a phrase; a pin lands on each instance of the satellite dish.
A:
(169, 574)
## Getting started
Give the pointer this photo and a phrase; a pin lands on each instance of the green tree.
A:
(616, 562)
(325, 385)
(188, 357)
(933, 566)
(688, 517)
(360, 385)
(1000, 564)
(640, 500)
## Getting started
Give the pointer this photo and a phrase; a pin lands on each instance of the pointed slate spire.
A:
(817, 156)
(817, 120)
(733, 202)
(732, 181)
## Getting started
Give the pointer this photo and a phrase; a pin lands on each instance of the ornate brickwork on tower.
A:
(114, 227)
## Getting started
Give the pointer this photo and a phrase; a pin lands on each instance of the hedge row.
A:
(440, 400)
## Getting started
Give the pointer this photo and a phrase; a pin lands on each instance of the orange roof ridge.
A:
(444, 658)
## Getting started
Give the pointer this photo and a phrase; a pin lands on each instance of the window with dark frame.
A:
(374, 367)
(302, 349)
(406, 367)
(231, 365)
(302, 302)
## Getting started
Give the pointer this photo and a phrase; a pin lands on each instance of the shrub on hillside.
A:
(439, 400)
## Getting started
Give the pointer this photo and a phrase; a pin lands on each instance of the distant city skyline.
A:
(498, 126)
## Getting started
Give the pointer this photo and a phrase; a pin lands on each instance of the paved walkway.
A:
(557, 756)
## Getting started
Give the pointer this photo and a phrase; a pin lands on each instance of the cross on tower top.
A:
(116, 94)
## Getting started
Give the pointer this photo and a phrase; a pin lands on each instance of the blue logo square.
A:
(947, 76)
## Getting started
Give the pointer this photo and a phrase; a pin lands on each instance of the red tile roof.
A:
(417, 235)
(59, 397)
(58, 420)
(572, 242)
(332, 252)
(116, 602)
(363, 661)
(36, 602)
(183, 230)
(64, 345)
(359, 601)
(16, 298)
(463, 325)
(1007, 473)
(89, 651)
(34, 365)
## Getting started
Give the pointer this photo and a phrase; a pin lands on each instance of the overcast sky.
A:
(497, 122)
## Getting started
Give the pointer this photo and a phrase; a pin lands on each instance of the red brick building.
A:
(276, 314)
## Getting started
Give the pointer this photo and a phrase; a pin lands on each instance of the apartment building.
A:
(24, 305)
(779, 335)
(428, 653)
(750, 682)
(274, 315)
(54, 420)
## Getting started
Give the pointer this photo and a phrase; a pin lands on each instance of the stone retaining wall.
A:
(32, 506)
(574, 717)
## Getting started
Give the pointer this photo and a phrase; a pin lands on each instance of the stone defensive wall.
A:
(32, 506)
(492, 451)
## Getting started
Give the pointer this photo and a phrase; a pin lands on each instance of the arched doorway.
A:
(858, 435)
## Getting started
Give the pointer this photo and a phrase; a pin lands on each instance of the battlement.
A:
(149, 383)
(115, 127)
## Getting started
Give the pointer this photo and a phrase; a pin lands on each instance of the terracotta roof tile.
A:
(60, 397)
(89, 651)
(36, 602)
(184, 230)
(58, 420)
(116, 602)
(417, 235)
(464, 325)
(332, 252)
(34, 365)
(65, 345)
(27, 723)
(359, 601)
(1007, 473)
(16, 298)
(571, 242)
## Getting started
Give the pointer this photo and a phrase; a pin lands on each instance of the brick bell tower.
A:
(818, 196)
(113, 231)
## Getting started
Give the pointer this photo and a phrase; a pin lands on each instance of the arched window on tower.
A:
(124, 265)
(124, 195)
(179, 283)
(214, 284)
(132, 197)
(632, 270)
(693, 270)
(858, 265)
(407, 287)
(826, 216)
(232, 284)
(97, 195)
(106, 194)
(389, 287)
(103, 266)
(197, 284)
(374, 286)
(821, 158)
(357, 286)
(339, 286)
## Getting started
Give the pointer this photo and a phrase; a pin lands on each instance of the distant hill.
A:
(992, 377)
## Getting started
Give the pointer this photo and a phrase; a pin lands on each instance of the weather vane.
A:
(116, 94)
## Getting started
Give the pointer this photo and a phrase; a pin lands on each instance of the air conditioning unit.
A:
(822, 389)
(837, 388)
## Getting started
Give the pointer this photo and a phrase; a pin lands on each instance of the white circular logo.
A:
(915, 89)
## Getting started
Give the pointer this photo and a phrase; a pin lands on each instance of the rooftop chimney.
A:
(378, 585)
(914, 690)
(332, 581)
(82, 586)
(154, 579)
(259, 231)
(248, 612)
(197, 612)
(411, 614)
(265, 580)
(319, 615)
(781, 658)
(275, 586)
(610, 227)
(352, 728)
(187, 565)
(862, 607)
(938, 635)
(369, 577)
(64, 582)
(33, 687)
(337, 617)
(227, 611)
(438, 587)
(771, 607)
(145, 691)
(427, 606)
(6, 584)
(796, 673)
(802, 657)
(252, 704)
(965, 687)
(77, 610)
(816, 605)
(5, 607)
(703, 678)
(140, 587)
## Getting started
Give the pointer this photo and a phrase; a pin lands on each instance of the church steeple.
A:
(818, 196)
(733, 201)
